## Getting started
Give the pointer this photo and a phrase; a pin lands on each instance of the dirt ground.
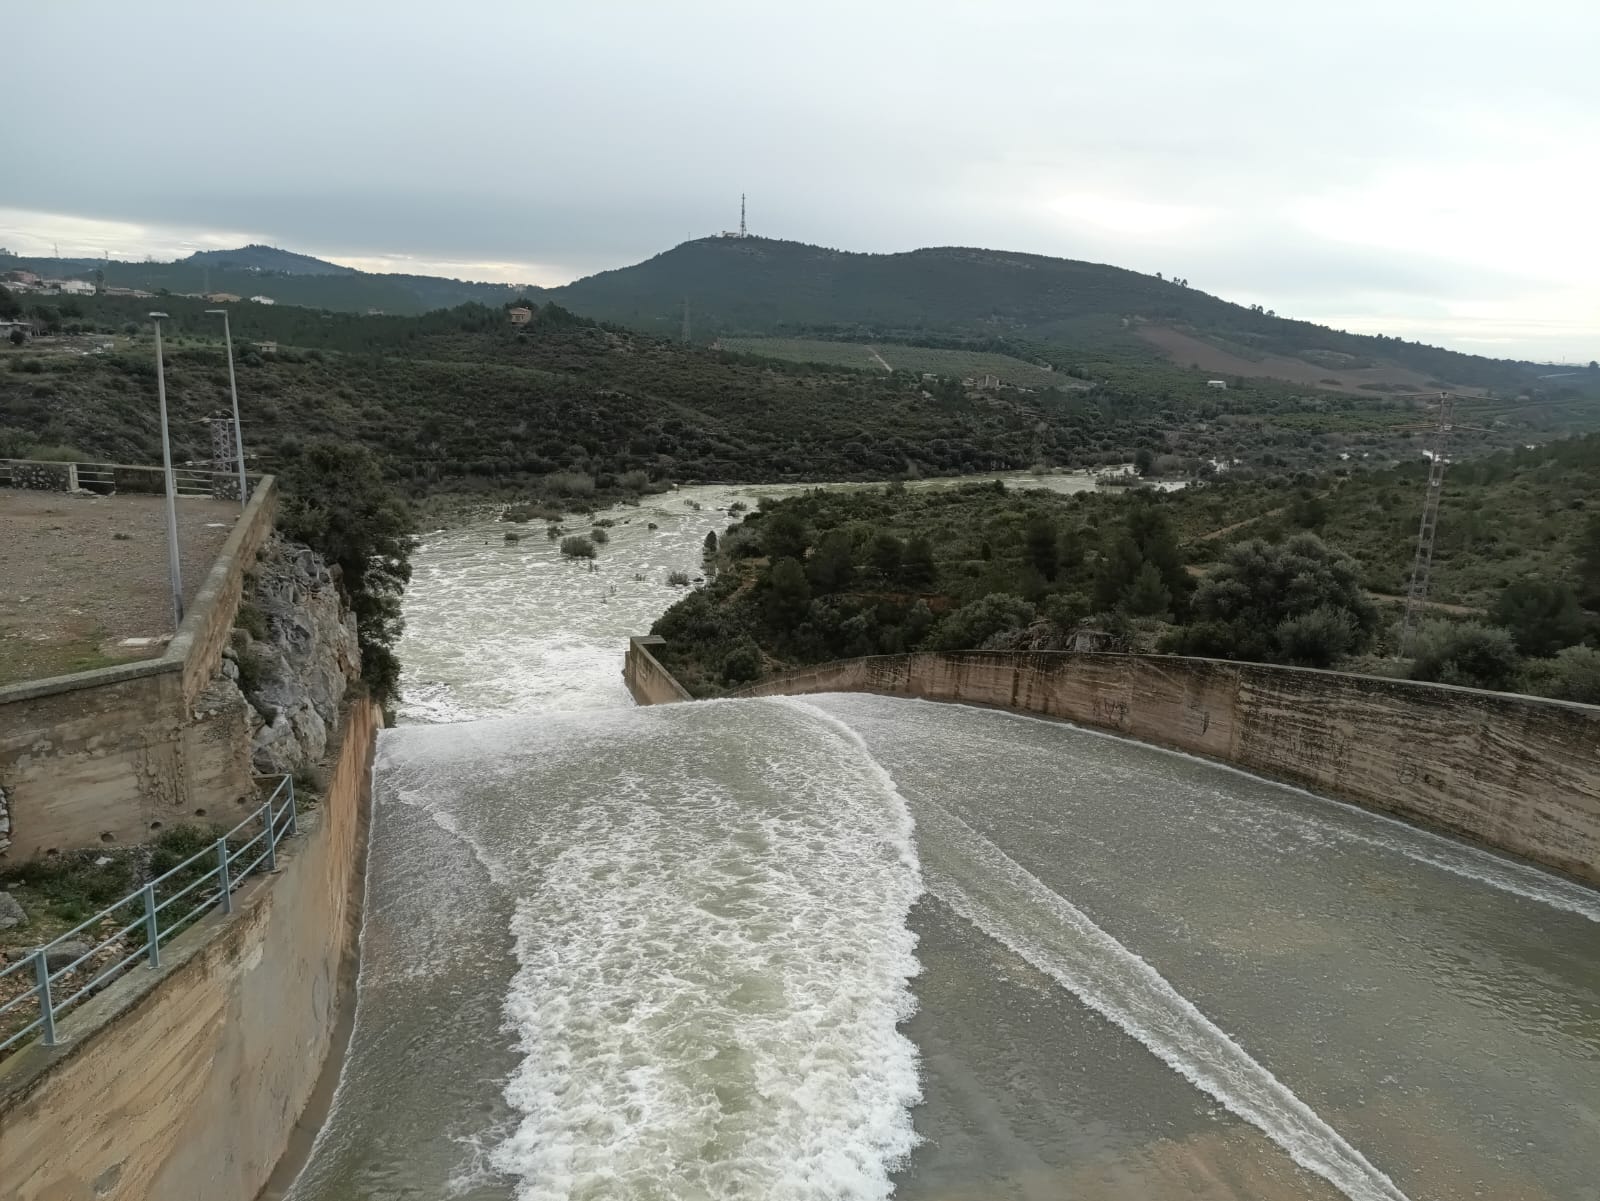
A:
(79, 575)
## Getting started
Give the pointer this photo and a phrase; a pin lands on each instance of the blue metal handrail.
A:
(278, 821)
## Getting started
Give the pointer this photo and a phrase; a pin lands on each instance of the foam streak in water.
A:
(981, 883)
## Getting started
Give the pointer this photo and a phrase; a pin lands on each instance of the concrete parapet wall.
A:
(647, 680)
(1516, 773)
(101, 756)
(236, 1022)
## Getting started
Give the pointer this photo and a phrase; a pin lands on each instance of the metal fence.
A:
(108, 478)
(208, 879)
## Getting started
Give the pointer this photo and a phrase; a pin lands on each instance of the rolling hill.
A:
(1060, 311)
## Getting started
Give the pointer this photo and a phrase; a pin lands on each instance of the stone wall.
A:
(1516, 773)
(186, 1082)
(103, 756)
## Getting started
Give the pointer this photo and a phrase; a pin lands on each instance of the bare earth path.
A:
(79, 574)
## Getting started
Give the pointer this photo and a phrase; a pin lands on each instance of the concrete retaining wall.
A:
(237, 1022)
(102, 756)
(647, 680)
(1516, 773)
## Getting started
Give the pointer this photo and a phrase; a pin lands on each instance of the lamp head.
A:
(158, 316)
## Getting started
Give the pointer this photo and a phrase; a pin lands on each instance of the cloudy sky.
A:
(1425, 168)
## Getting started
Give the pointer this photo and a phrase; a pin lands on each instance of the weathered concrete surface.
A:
(1517, 773)
(647, 680)
(102, 756)
(237, 1022)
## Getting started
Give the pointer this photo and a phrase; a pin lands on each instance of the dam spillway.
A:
(851, 946)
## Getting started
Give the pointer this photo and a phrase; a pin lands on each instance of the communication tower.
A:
(1422, 565)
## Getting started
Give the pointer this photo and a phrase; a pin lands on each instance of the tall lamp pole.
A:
(233, 387)
(172, 487)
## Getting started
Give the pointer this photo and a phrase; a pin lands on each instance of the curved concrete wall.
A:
(1517, 773)
(185, 1083)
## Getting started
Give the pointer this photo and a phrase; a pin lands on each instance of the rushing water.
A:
(849, 946)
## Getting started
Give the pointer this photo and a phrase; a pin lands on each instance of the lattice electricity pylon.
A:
(1422, 565)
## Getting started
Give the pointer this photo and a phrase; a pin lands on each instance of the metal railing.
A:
(107, 478)
(153, 924)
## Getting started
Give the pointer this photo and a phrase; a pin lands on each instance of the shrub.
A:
(1468, 653)
(575, 546)
(742, 664)
(1573, 675)
(788, 594)
(972, 625)
(1543, 616)
(598, 533)
(1319, 638)
(568, 483)
(678, 579)
(634, 481)
(552, 532)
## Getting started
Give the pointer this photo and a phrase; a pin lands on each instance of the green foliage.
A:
(1589, 562)
(1468, 653)
(743, 663)
(1297, 602)
(1147, 596)
(783, 536)
(336, 501)
(788, 594)
(919, 569)
(710, 543)
(599, 535)
(1542, 615)
(678, 579)
(975, 624)
(576, 546)
(886, 554)
(1572, 675)
(831, 566)
(1044, 546)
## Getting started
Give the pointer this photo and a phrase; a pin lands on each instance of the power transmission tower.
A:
(1422, 565)
(742, 231)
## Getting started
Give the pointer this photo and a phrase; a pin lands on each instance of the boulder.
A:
(12, 914)
(60, 955)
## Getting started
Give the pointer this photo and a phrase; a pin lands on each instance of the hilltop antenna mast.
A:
(742, 232)
(1422, 565)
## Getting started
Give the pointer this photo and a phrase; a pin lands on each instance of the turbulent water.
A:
(847, 946)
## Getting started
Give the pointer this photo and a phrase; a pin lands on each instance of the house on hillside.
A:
(1220, 384)
(222, 298)
(68, 287)
(519, 315)
(267, 347)
(22, 277)
(262, 300)
(6, 328)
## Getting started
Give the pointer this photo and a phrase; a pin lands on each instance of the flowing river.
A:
(853, 947)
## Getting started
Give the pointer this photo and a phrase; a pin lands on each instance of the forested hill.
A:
(287, 278)
(1061, 310)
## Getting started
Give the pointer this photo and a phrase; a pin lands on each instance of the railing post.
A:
(272, 841)
(222, 875)
(47, 1013)
(152, 930)
(294, 810)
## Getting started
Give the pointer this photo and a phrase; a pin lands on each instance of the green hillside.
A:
(900, 356)
(1072, 310)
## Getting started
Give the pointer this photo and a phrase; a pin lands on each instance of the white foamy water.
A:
(713, 957)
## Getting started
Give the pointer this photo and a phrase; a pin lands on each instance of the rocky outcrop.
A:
(295, 678)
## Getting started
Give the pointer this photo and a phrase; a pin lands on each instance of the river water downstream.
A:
(853, 947)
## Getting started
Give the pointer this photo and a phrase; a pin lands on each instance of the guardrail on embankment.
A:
(152, 924)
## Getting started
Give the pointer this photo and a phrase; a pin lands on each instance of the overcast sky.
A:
(1425, 168)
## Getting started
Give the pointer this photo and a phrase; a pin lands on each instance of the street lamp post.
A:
(172, 487)
(233, 387)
